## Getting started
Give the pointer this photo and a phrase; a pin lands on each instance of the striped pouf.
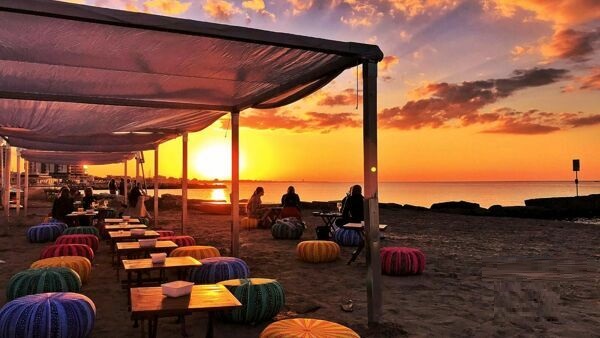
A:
(89, 240)
(217, 269)
(54, 221)
(398, 261)
(81, 265)
(179, 240)
(199, 252)
(318, 251)
(53, 314)
(249, 223)
(261, 299)
(287, 228)
(34, 281)
(45, 232)
(87, 230)
(57, 250)
(307, 327)
(165, 233)
(347, 237)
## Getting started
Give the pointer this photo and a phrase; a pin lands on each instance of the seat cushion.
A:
(81, 265)
(197, 251)
(398, 261)
(33, 281)
(318, 251)
(58, 250)
(217, 269)
(307, 327)
(261, 299)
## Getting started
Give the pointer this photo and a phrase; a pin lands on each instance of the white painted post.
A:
(126, 185)
(156, 185)
(18, 206)
(26, 197)
(235, 183)
(374, 295)
(7, 182)
(184, 184)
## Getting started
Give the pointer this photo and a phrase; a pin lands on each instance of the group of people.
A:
(135, 191)
(64, 204)
(352, 207)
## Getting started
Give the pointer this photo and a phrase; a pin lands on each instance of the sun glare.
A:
(213, 161)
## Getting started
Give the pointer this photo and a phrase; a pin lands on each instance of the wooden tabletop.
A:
(116, 235)
(382, 227)
(170, 263)
(208, 297)
(124, 226)
(83, 213)
(135, 246)
(120, 220)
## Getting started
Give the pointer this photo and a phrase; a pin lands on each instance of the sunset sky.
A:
(468, 90)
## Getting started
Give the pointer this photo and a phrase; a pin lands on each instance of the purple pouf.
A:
(45, 232)
(217, 269)
(347, 237)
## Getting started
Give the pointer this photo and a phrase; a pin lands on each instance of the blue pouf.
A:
(217, 269)
(347, 237)
(55, 221)
(45, 232)
(54, 314)
(287, 228)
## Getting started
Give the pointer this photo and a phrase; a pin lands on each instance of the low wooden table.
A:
(120, 220)
(361, 229)
(126, 236)
(110, 227)
(77, 215)
(130, 248)
(150, 304)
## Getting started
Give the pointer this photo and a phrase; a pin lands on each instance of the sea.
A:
(414, 193)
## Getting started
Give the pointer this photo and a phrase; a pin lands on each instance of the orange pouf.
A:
(318, 251)
(81, 265)
(307, 327)
(197, 251)
(249, 223)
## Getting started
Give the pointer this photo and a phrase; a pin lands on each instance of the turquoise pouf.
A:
(34, 281)
(261, 299)
(347, 237)
(54, 314)
(45, 232)
(287, 228)
(86, 230)
(217, 269)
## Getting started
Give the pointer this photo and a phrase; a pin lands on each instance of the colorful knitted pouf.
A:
(53, 314)
(261, 299)
(347, 237)
(45, 232)
(179, 240)
(81, 265)
(318, 251)
(165, 233)
(57, 250)
(87, 230)
(287, 228)
(398, 261)
(34, 281)
(216, 269)
(249, 223)
(61, 224)
(197, 251)
(89, 240)
(307, 327)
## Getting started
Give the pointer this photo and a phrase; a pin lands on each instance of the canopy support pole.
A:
(374, 297)
(26, 197)
(137, 169)
(235, 183)
(18, 205)
(125, 200)
(184, 183)
(6, 198)
(156, 186)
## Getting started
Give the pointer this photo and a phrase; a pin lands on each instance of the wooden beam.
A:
(235, 183)
(7, 181)
(156, 186)
(126, 197)
(18, 193)
(26, 197)
(184, 184)
(374, 293)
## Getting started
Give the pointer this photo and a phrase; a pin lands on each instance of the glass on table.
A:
(339, 206)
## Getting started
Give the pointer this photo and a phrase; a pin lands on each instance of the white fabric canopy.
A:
(90, 158)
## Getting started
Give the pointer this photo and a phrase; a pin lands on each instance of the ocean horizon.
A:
(486, 193)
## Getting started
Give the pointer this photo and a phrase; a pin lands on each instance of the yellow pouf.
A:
(307, 328)
(197, 251)
(318, 251)
(81, 265)
(249, 223)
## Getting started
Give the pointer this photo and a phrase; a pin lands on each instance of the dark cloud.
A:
(584, 121)
(346, 98)
(446, 103)
(571, 44)
(272, 119)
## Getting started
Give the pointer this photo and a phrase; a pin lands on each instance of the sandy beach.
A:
(484, 277)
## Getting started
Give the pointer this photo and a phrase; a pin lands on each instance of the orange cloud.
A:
(258, 6)
(412, 8)
(519, 51)
(571, 44)
(346, 98)
(363, 14)
(168, 7)
(562, 13)
(586, 82)
(388, 62)
(271, 119)
(299, 6)
(220, 9)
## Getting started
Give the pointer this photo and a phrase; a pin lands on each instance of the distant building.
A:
(58, 171)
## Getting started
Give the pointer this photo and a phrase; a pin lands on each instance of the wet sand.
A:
(484, 277)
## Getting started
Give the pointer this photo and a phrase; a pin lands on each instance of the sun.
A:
(213, 161)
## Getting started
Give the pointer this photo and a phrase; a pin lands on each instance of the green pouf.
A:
(261, 299)
(34, 281)
(87, 230)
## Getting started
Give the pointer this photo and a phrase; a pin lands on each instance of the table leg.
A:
(182, 322)
(143, 327)
(209, 328)
(356, 252)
